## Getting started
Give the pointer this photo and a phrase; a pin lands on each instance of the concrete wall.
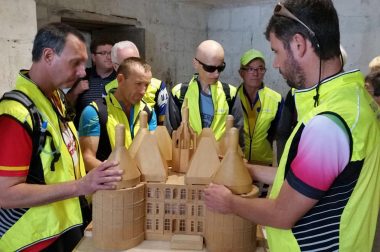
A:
(173, 29)
(18, 27)
(241, 28)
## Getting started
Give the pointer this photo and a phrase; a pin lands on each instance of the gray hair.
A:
(121, 45)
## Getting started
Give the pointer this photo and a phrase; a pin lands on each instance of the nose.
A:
(215, 74)
(275, 63)
(81, 71)
(142, 90)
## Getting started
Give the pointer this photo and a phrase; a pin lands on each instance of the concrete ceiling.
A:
(225, 3)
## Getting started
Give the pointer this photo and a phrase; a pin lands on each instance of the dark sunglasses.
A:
(281, 10)
(211, 69)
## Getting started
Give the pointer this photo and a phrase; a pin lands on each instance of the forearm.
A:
(261, 173)
(16, 193)
(282, 212)
(260, 211)
(29, 195)
(91, 162)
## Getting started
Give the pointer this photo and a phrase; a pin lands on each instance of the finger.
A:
(107, 164)
(113, 172)
(109, 179)
(106, 187)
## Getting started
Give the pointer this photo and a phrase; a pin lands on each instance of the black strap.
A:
(227, 93)
(104, 147)
(38, 134)
(183, 90)
(148, 111)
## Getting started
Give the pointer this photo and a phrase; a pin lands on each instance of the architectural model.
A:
(157, 209)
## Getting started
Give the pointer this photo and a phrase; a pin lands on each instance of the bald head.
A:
(123, 50)
(209, 51)
(209, 57)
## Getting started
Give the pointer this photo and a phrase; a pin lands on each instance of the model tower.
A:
(118, 215)
(184, 141)
(227, 232)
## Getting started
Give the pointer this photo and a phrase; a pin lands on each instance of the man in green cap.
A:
(262, 109)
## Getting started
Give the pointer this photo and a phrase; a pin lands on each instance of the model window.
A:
(182, 225)
(149, 208)
(183, 194)
(157, 208)
(167, 208)
(149, 224)
(167, 225)
(157, 193)
(149, 193)
(174, 209)
(168, 193)
(182, 209)
(157, 224)
(200, 210)
(200, 195)
(200, 226)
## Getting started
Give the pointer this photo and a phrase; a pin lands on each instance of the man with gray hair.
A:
(156, 95)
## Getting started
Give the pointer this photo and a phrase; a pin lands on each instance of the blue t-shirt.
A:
(207, 110)
(89, 122)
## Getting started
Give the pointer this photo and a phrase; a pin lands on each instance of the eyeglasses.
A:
(103, 53)
(211, 69)
(260, 70)
(281, 10)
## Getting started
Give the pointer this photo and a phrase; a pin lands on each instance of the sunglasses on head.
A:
(211, 69)
(281, 10)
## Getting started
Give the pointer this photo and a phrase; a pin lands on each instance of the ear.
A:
(241, 73)
(115, 66)
(299, 45)
(120, 79)
(48, 55)
(195, 64)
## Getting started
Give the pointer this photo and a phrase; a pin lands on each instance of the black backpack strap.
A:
(148, 111)
(38, 134)
(104, 147)
(230, 100)
(183, 90)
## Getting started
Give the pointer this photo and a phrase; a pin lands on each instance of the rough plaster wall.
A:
(241, 28)
(18, 27)
(173, 29)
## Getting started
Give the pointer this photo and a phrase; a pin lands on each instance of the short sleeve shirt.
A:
(323, 153)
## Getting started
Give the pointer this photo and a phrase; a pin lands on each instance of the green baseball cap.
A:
(250, 55)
